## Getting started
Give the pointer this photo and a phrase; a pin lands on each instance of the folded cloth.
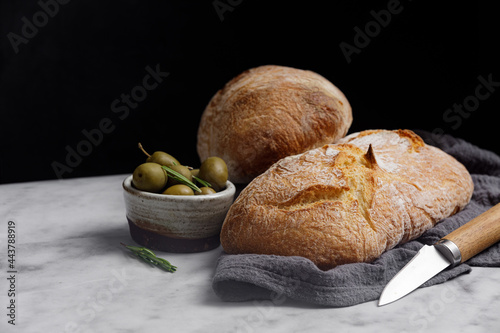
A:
(245, 277)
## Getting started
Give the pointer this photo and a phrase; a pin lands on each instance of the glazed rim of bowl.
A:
(127, 186)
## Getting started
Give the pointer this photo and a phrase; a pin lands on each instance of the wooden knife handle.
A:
(478, 234)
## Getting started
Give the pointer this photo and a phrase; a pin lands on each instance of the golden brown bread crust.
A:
(267, 113)
(347, 202)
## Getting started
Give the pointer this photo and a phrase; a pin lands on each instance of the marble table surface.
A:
(72, 275)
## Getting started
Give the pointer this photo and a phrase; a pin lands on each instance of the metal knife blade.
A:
(456, 247)
(426, 263)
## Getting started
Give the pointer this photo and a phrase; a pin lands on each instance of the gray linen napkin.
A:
(247, 277)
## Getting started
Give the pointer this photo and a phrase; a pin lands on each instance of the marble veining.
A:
(74, 276)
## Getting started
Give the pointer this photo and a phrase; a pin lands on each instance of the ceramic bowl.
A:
(176, 223)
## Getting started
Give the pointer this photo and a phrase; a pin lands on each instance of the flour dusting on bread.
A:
(347, 202)
(270, 112)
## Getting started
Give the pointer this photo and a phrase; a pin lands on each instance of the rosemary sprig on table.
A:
(148, 256)
(177, 176)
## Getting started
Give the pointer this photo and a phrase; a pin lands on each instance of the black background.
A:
(64, 79)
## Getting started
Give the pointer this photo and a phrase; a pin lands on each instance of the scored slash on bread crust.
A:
(347, 202)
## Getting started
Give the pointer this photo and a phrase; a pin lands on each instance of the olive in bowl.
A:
(176, 223)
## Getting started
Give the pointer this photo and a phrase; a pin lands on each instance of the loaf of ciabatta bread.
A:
(347, 202)
(267, 113)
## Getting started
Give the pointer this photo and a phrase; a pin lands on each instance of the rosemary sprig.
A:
(148, 256)
(202, 182)
(177, 176)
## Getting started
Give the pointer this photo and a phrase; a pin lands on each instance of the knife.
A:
(451, 250)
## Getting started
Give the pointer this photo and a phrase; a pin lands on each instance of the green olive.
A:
(183, 170)
(149, 177)
(205, 190)
(214, 171)
(195, 172)
(179, 189)
(162, 158)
